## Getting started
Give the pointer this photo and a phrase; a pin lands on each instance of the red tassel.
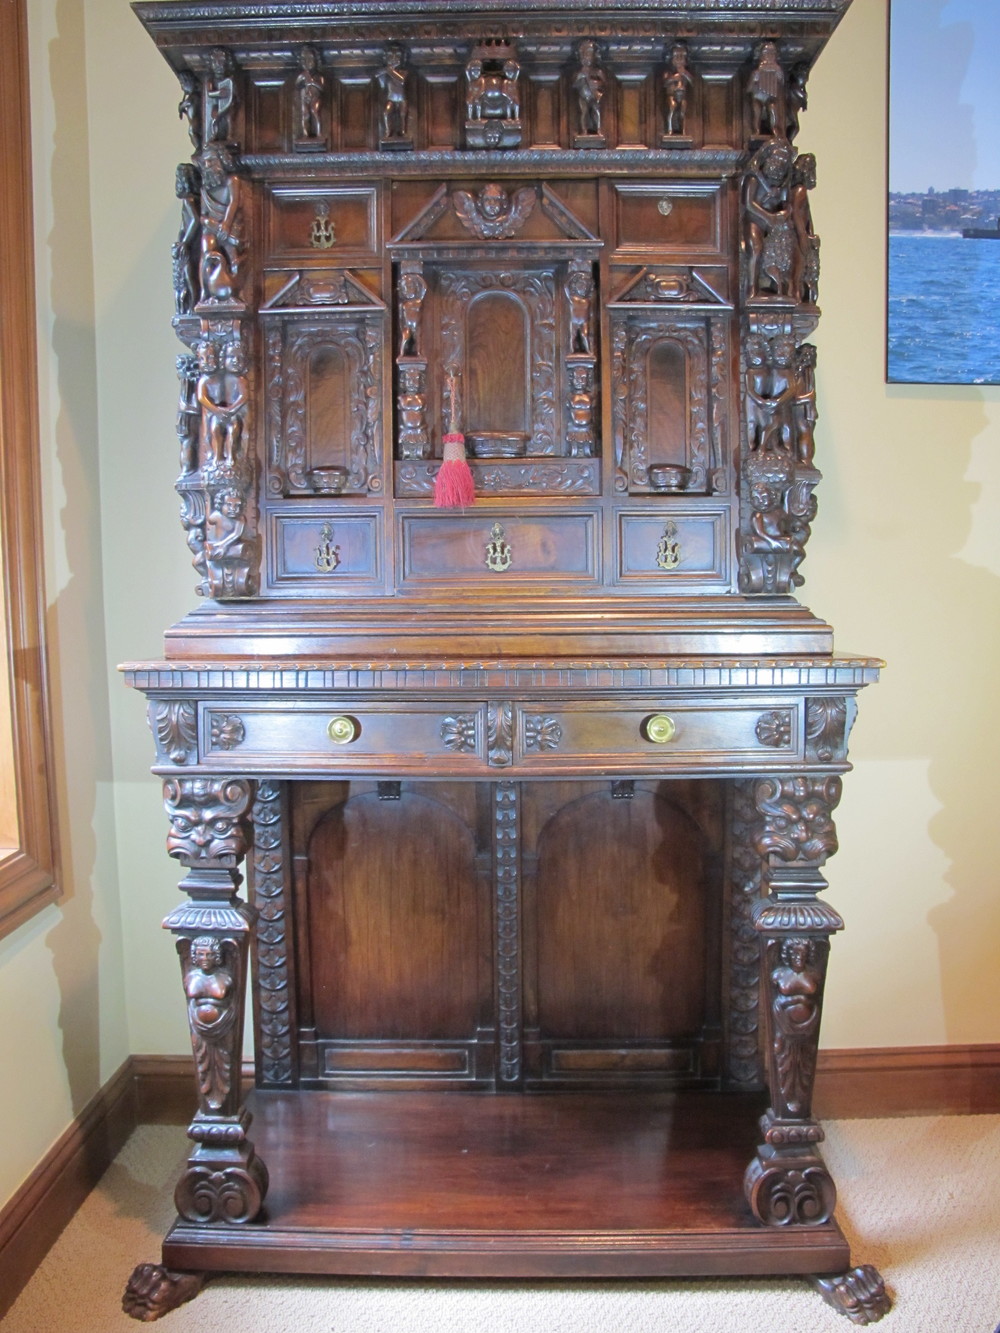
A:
(454, 487)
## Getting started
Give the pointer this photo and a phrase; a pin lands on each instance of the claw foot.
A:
(154, 1291)
(859, 1294)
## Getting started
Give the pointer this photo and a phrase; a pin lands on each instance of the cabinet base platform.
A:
(557, 1185)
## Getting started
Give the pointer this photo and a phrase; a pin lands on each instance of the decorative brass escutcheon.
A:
(327, 556)
(659, 728)
(342, 730)
(668, 549)
(322, 235)
(499, 555)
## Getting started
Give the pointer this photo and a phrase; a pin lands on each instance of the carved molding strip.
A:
(506, 815)
(744, 1056)
(272, 959)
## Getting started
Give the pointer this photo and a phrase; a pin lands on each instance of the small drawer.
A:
(327, 550)
(323, 223)
(668, 217)
(657, 737)
(670, 547)
(503, 550)
(345, 736)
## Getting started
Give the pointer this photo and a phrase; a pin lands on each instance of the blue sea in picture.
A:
(944, 309)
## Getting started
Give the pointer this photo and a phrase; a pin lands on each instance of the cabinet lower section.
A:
(557, 1185)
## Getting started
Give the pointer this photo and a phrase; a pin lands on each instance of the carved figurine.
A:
(580, 295)
(188, 413)
(411, 292)
(796, 97)
(222, 396)
(677, 83)
(189, 107)
(220, 97)
(589, 85)
(805, 276)
(220, 241)
(493, 214)
(207, 825)
(771, 389)
(795, 1009)
(805, 404)
(184, 251)
(395, 112)
(492, 97)
(769, 237)
(227, 561)
(765, 89)
(212, 1014)
(410, 410)
(580, 435)
(309, 87)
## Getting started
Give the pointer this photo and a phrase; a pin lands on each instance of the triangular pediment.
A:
(312, 289)
(674, 285)
(495, 211)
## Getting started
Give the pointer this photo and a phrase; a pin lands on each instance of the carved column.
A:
(787, 1183)
(225, 1182)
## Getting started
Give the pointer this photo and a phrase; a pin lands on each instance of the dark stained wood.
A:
(534, 785)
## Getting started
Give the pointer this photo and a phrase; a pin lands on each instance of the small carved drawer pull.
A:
(659, 728)
(342, 730)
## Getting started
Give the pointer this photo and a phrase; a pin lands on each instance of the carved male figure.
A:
(589, 83)
(805, 404)
(676, 86)
(189, 107)
(796, 98)
(185, 249)
(411, 291)
(220, 243)
(309, 87)
(223, 396)
(188, 413)
(220, 97)
(766, 83)
(580, 293)
(392, 85)
(768, 228)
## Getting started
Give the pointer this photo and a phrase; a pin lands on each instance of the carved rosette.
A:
(174, 724)
(508, 927)
(541, 732)
(458, 732)
(272, 957)
(774, 728)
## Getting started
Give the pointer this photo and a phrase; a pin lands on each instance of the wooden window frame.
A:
(27, 872)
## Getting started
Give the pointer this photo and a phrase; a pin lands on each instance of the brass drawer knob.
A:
(659, 728)
(342, 730)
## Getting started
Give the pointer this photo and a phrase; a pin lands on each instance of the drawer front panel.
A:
(766, 735)
(501, 550)
(332, 551)
(322, 223)
(345, 736)
(669, 218)
(671, 547)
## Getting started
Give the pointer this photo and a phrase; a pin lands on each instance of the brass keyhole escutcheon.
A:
(499, 552)
(659, 728)
(668, 549)
(342, 730)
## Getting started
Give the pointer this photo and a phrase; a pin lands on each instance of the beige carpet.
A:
(920, 1198)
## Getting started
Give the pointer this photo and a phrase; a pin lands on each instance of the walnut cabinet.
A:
(531, 794)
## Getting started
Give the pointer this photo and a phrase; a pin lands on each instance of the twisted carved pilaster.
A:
(224, 1181)
(787, 1182)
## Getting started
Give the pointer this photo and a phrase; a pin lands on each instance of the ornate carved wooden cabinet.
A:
(534, 792)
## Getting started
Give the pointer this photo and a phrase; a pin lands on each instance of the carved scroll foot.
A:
(153, 1291)
(859, 1294)
(226, 1187)
(789, 1191)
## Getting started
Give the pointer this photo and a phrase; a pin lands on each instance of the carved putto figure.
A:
(492, 97)
(589, 84)
(226, 558)
(411, 292)
(395, 112)
(580, 435)
(220, 241)
(309, 86)
(580, 295)
(493, 214)
(769, 230)
(184, 251)
(223, 396)
(220, 97)
(771, 389)
(410, 408)
(189, 107)
(677, 83)
(765, 89)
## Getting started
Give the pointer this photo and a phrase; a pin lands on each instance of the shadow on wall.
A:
(76, 617)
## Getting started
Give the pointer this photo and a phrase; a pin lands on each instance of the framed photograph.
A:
(943, 322)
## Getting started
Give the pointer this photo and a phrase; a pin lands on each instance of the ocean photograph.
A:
(943, 290)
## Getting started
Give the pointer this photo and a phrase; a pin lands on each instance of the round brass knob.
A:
(660, 728)
(342, 730)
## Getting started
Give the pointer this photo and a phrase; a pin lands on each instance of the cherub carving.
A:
(492, 214)
(226, 559)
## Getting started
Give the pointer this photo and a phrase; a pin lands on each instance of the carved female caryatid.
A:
(797, 987)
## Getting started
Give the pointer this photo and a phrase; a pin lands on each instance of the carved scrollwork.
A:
(774, 728)
(458, 732)
(208, 824)
(500, 734)
(541, 732)
(231, 1194)
(790, 1192)
(798, 823)
(174, 724)
(744, 960)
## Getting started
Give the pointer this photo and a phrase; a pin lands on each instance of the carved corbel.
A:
(224, 1181)
(787, 1183)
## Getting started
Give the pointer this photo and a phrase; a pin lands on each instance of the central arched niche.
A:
(497, 363)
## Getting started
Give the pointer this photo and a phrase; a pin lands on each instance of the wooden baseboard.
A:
(159, 1089)
(908, 1080)
(34, 1217)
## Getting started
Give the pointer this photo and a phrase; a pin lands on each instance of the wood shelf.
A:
(554, 1185)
